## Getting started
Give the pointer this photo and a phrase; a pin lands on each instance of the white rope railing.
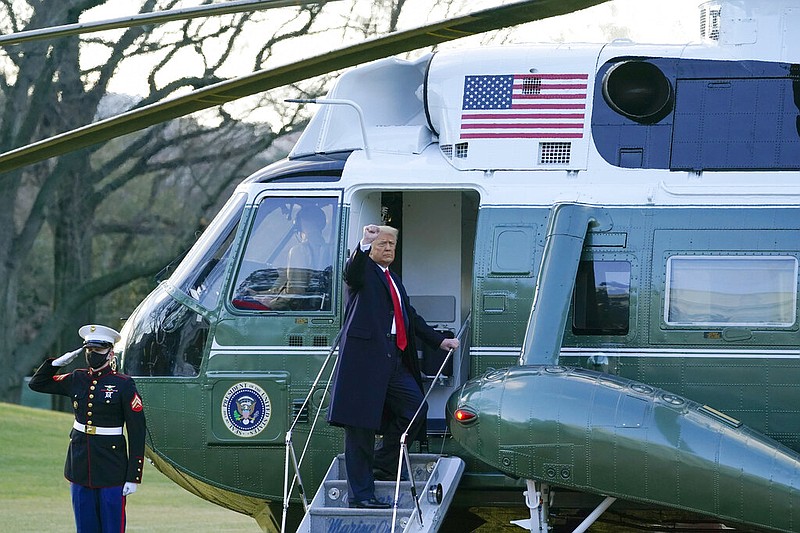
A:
(404, 456)
(290, 452)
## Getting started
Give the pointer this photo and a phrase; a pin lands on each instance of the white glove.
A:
(129, 488)
(67, 358)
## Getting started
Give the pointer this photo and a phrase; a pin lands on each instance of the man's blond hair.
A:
(394, 232)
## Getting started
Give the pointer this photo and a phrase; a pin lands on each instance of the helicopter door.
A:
(434, 258)
(279, 318)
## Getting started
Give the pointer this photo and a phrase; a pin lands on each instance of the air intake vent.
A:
(554, 153)
(709, 22)
(532, 85)
(461, 150)
(302, 417)
(295, 340)
(447, 150)
(703, 14)
(320, 340)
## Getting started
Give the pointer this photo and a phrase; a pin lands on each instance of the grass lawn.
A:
(35, 497)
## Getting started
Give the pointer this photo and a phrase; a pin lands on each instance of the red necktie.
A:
(399, 323)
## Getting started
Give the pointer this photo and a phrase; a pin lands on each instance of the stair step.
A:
(421, 465)
(335, 493)
(352, 520)
(435, 481)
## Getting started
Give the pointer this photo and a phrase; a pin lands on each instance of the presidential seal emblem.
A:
(246, 409)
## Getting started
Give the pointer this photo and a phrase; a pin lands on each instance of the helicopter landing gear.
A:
(538, 502)
(594, 515)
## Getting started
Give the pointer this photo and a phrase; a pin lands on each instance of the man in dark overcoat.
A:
(102, 467)
(377, 385)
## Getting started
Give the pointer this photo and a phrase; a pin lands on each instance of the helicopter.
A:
(620, 251)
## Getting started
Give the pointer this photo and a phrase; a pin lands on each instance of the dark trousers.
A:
(98, 510)
(403, 397)
(359, 444)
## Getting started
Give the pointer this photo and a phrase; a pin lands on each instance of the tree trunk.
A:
(73, 231)
(121, 211)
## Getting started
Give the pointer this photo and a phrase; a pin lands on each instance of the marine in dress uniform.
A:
(101, 468)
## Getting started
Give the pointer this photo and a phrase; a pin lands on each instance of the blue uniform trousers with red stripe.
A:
(98, 510)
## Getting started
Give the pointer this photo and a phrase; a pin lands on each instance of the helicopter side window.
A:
(289, 257)
(731, 291)
(601, 301)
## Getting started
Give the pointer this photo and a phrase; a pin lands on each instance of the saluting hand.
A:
(371, 233)
(67, 358)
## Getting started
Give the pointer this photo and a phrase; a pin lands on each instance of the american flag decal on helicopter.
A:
(524, 106)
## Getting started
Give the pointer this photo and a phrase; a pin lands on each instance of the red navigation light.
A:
(465, 416)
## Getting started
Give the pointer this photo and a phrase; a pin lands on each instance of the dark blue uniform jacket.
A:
(102, 399)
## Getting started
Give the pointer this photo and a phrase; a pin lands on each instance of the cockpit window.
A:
(288, 263)
(200, 274)
(731, 291)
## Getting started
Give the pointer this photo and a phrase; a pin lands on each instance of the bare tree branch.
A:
(105, 218)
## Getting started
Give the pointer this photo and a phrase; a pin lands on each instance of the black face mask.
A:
(96, 360)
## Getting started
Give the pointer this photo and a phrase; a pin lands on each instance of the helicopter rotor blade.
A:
(263, 80)
(140, 19)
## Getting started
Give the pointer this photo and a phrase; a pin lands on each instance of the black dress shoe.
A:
(372, 503)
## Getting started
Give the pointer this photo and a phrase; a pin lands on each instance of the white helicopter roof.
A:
(473, 101)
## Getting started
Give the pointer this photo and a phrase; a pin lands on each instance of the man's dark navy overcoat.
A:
(366, 351)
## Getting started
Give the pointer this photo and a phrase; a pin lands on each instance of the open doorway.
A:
(435, 260)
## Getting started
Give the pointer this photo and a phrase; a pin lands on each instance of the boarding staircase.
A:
(418, 503)
(422, 500)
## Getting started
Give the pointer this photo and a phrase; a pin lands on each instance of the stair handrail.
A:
(290, 453)
(404, 437)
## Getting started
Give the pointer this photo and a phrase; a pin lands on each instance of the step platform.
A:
(436, 478)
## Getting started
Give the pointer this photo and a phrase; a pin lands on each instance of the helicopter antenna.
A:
(338, 101)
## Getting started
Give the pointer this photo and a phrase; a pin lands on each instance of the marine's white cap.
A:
(93, 334)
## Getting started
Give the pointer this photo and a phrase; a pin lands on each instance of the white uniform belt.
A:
(94, 430)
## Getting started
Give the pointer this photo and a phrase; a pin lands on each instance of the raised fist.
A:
(371, 232)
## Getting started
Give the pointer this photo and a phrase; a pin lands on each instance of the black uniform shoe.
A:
(372, 503)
